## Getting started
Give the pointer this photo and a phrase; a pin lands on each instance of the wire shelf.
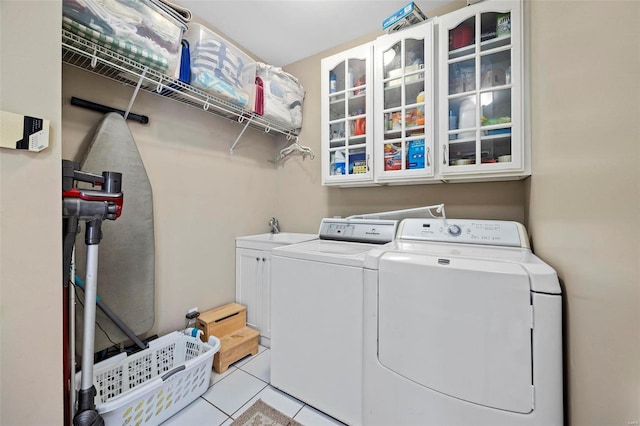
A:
(89, 56)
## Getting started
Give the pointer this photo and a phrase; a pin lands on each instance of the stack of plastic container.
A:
(145, 31)
(220, 68)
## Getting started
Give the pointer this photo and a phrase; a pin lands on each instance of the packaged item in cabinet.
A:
(494, 77)
(461, 36)
(503, 25)
(145, 31)
(420, 101)
(392, 157)
(220, 68)
(283, 96)
(360, 124)
(357, 163)
(338, 163)
(408, 15)
(415, 154)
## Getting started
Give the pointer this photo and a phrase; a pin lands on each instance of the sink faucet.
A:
(275, 227)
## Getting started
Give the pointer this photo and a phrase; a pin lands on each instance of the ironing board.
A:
(126, 264)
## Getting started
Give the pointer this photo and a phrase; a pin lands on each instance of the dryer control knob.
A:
(454, 230)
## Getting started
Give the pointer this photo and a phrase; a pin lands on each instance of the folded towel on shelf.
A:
(220, 68)
(143, 30)
(216, 56)
(125, 48)
(283, 96)
(182, 11)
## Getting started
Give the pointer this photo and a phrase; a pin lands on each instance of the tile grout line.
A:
(247, 401)
(216, 407)
(222, 378)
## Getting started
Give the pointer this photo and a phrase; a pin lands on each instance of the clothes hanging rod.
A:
(103, 108)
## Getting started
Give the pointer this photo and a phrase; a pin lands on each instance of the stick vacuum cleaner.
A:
(93, 207)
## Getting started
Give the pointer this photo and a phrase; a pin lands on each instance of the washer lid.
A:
(338, 252)
(542, 277)
(459, 326)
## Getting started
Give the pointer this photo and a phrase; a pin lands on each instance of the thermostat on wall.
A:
(23, 132)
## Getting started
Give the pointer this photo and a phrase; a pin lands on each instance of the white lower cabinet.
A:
(253, 288)
(253, 276)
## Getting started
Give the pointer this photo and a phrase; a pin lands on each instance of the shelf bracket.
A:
(135, 93)
(240, 120)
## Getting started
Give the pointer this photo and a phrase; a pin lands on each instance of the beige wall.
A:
(30, 221)
(584, 194)
(585, 68)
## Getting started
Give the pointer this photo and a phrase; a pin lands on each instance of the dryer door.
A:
(458, 326)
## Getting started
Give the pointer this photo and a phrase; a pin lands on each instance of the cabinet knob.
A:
(257, 259)
(264, 260)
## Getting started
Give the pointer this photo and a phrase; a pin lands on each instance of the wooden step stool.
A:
(229, 324)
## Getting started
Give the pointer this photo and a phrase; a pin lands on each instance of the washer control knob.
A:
(454, 230)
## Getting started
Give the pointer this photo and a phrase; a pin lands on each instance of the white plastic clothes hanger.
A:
(296, 148)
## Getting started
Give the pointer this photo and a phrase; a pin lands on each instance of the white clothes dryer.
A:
(317, 317)
(463, 326)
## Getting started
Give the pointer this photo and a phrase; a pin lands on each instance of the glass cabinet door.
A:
(404, 104)
(481, 118)
(346, 132)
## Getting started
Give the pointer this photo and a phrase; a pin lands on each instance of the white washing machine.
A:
(317, 316)
(463, 326)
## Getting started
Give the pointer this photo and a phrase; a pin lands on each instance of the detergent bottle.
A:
(360, 127)
(420, 115)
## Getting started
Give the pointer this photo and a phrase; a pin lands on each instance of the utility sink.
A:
(269, 241)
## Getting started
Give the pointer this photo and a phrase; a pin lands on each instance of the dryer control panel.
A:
(377, 231)
(465, 231)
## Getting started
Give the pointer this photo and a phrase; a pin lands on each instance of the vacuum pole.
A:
(88, 336)
(93, 207)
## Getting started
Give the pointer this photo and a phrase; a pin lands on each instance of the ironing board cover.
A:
(126, 264)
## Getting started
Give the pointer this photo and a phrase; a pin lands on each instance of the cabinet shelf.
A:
(88, 56)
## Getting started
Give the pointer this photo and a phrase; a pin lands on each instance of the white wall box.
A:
(253, 276)
(445, 109)
(346, 132)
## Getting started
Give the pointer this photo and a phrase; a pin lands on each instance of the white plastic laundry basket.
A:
(148, 387)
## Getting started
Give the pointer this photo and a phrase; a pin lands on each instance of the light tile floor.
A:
(230, 394)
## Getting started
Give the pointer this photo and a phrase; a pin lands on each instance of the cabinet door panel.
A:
(346, 105)
(265, 330)
(404, 105)
(481, 103)
(249, 272)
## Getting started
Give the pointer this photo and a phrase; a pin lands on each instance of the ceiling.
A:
(281, 32)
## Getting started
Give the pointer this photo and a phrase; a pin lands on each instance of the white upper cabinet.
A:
(404, 101)
(444, 100)
(347, 128)
(481, 93)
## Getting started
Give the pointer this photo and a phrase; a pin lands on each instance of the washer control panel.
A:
(466, 231)
(375, 231)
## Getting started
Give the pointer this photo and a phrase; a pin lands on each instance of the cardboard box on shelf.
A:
(408, 15)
